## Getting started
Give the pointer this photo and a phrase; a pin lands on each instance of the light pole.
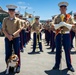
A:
(19, 9)
(33, 13)
(25, 11)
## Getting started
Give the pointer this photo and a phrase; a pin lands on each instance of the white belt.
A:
(54, 32)
(65, 32)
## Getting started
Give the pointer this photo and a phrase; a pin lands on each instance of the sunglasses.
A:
(37, 18)
(63, 6)
(11, 9)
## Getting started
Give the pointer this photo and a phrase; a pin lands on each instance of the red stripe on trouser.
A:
(19, 62)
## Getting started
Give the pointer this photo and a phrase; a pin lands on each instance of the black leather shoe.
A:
(22, 50)
(49, 48)
(18, 69)
(71, 69)
(52, 51)
(55, 67)
(41, 50)
(33, 51)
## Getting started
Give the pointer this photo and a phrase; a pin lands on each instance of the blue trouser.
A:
(53, 41)
(8, 48)
(47, 37)
(51, 38)
(21, 40)
(45, 34)
(35, 37)
(66, 45)
(29, 37)
(24, 37)
(72, 37)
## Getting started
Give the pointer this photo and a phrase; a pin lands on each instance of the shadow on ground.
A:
(33, 53)
(51, 52)
(3, 73)
(73, 52)
(57, 72)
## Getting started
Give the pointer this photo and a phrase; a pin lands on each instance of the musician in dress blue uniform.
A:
(11, 28)
(72, 32)
(63, 36)
(36, 27)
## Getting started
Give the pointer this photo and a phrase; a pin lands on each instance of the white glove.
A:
(69, 26)
(62, 23)
(57, 26)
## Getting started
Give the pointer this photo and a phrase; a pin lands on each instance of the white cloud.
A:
(21, 3)
(29, 7)
(24, 7)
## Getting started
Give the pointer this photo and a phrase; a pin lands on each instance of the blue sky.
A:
(44, 8)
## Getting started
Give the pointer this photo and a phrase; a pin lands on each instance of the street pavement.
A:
(39, 63)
